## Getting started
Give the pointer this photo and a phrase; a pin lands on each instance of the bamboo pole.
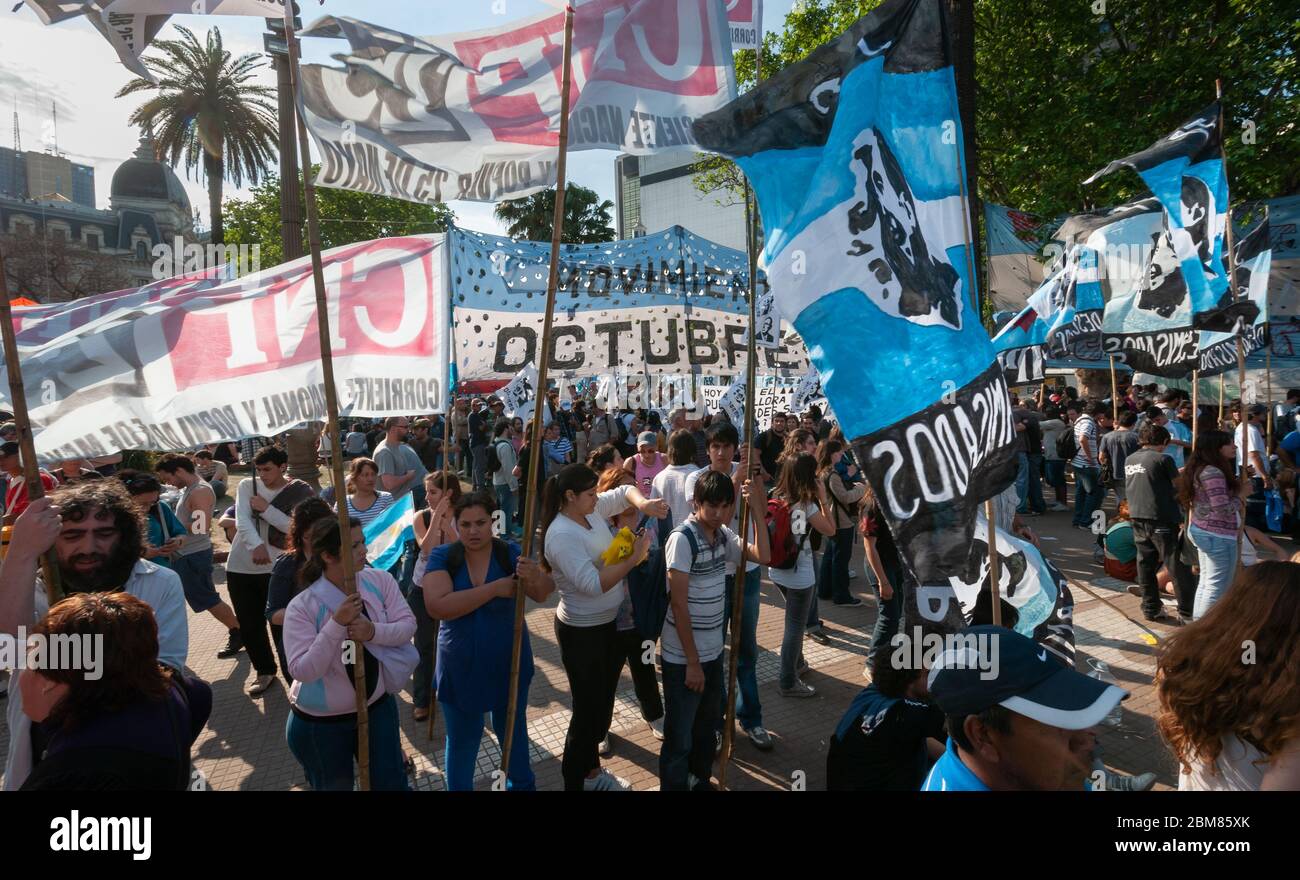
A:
(22, 420)
(1114, 393)
(995, 573)
(1268, 394)
(535, 451)
(1222, 380)
(331, 399)
(747, 438)
(1196, 412)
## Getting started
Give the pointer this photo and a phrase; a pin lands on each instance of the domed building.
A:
(148, 206)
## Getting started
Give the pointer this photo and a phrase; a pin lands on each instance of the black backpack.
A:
(1066, 448)
(491, 460)
(647, 586)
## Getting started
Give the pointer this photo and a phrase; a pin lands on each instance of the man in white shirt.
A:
(98, 539)
(723, 440)
(1250, 443)
(670, 483)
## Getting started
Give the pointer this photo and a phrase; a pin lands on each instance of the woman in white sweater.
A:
(575, 534)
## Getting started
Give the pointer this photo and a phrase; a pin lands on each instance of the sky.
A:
(71, 67)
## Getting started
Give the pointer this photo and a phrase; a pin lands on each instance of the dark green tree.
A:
(345, 217)
(586, 218)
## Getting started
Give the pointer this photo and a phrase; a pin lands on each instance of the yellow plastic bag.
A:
(620, 548)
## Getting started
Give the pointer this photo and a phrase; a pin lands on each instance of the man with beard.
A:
(98, 539)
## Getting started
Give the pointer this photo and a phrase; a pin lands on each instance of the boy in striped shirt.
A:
(697, 553)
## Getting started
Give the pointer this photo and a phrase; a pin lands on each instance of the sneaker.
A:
(852, 603)
(1120, 782)
(853, 572)
(606, 781)
(761, 739)
(802, 666)
(799, 690)
(234, 644)
(1135, 590)
(656, 728)
(1167, 619)
(819, 636)
(1058, 507)
(260, 684)
(605, 746)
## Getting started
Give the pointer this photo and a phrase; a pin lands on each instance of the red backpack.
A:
(786, 547)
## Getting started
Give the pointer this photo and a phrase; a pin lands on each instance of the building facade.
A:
(658, 192)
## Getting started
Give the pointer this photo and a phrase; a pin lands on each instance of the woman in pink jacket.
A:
(323, 630)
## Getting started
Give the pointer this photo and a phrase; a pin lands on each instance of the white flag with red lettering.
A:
(745, 19)
(476, 115)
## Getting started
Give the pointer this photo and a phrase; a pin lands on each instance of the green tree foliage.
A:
(345, 217)
(1067, 85)
(586, 218)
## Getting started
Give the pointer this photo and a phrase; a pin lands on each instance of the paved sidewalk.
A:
(243, 746)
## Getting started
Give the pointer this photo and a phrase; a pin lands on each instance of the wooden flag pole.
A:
(1222, 381)
(437, 624)
(349, 585)
(1196, 411)
(995, 574)
(747, 438)
(22, 420)
(1268, 394)
(1114, 393)
(544, 361)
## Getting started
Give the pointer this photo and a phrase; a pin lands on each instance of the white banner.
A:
(129, 33)
(773, 396)
(190, 361)
(476, 115)
(519, 397)
(745, 20)
(258, 8)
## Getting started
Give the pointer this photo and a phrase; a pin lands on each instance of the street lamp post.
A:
(291, 210)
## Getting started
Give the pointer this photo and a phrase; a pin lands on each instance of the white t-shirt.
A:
(1256, 440)
(573, 552)
(707, 595)
(735, 517)
(802, 575)
(1240, 767)
(670, 485)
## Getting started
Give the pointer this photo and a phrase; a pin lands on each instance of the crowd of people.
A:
(637, 521)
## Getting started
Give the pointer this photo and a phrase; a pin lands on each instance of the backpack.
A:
(851, 510)
(785, 547)
(1066, 448)
(647, 584)
(491, 460)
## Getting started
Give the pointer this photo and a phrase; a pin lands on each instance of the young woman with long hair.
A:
(799, 488)
(575, 535)
(833, 577)
(365, 502)
(1210, 487)
(887, 565)
(434, 526)
(469, 587)
(322, 727)
(1234, 722)
(284, 573)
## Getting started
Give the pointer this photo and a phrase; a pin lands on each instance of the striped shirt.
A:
(383, 500)
(1086, 426)
(707, 595)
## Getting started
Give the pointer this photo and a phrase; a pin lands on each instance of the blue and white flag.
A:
(1186, 175)
(1218, 351)
(855, 156)
(388, 533)
(1062, 320)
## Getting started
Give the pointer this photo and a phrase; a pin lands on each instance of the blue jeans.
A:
(749, 712)
(326, 749)
(797, 603)
(465, 735)
(479, 457)
(889, 613)
(1088, 493)
(1218, 561)
(833, 574)
(506, 504)
(1028, 484)
(1054, 471)
(690, 722)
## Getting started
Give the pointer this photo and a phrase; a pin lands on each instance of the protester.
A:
(1232, 723)
(262, 507)
(697, 552)
(802, 499)
(575, 535)
(365, 502)
(1088, 490)
(1210, 488)
(302, 446)
(723, 442)
(1115, 448)
(97, 535)
(284, 583)
(164, 531)
(1180, 435)
(469, 586)
(770, 445)
(460, 458)
(1119, 549)
(833, 577)
(530, 491)
(670, 483)
(501, 464)
(1029, 486)
(557, 449)
(354, 443)
(1153, 506)
(426, 446)
(479, 426)
(322, 727)
(435, 526)
(890, 735)
(212, 472)
(647, 463)
(887, 565)
(131, 725)
(402, 473)
(74, 470)
(1017, 719)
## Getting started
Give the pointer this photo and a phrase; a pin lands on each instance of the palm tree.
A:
(586, 217)
(207, 110)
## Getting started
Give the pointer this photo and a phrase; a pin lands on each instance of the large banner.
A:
(854, 154)
(1218, 350)
(192, 361)
(476, 115)
(745, 19)
(668, 303)
(129, 32)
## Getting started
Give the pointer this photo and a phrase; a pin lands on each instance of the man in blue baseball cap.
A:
(1017, 719)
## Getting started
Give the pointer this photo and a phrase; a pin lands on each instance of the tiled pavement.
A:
(244, 747)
